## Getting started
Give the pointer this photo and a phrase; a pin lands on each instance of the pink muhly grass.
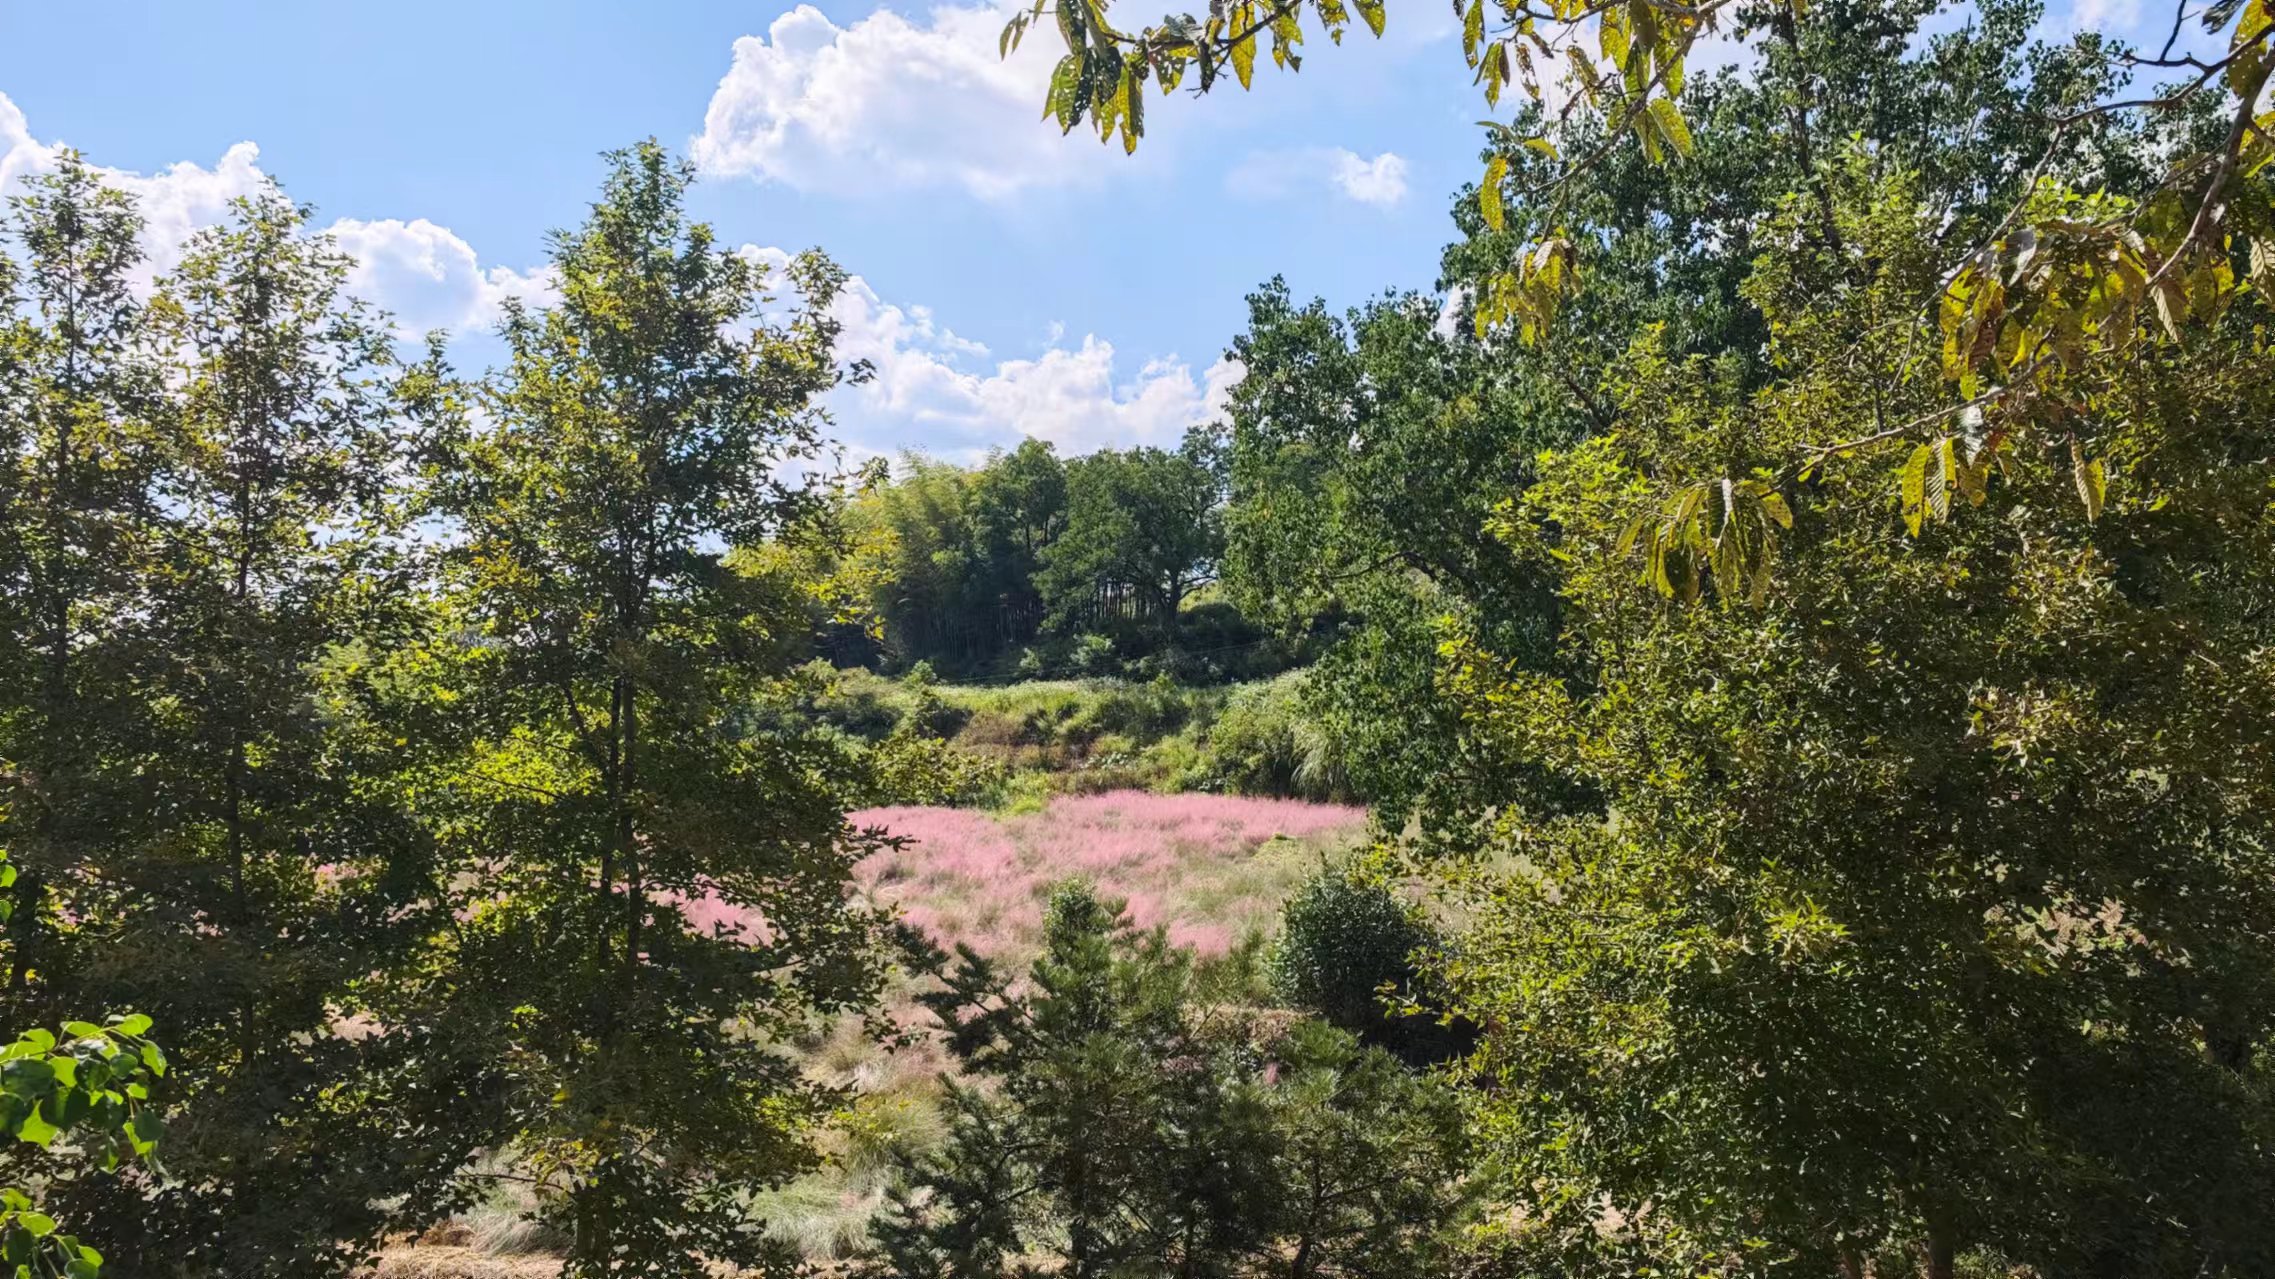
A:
(967, 877)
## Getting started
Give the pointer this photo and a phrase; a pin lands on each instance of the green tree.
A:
(928, 596)
(1913, 921)
(1142, 531)
(605, 803)
(203, 528)
(1018, 506)
(76, 515)
(2046, 286)
(1128, 1125)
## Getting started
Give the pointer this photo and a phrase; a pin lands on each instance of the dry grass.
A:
(443, 1261)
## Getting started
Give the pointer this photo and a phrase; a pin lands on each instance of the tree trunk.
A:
(1940, 1252)
(627, 844)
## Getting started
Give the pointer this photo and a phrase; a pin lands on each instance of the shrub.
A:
(1092, 655)
(908, 768)
(857, 702)
(1123, 1122)
(1341, 941)
(1264, 743)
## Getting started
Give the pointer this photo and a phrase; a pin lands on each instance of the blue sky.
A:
(1011, 281)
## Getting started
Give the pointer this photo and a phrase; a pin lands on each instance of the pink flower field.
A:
(1209, 867)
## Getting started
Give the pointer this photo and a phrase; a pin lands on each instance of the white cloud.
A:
(430, 278)
(20, 153)
(933, 388)
(887, 102)
(1304, 171)
(1380, 181)
(425, 274)
(174, 201)
(945, 395)
(2117, 17)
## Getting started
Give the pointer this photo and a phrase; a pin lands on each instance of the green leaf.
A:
(1064, 102)
(145, 1130)
(1473, 30)
(38, 1223)
(35, 1129)
(131, 1024)
(1372, 12)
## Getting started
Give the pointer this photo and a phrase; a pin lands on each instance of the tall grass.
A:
(1209, 868)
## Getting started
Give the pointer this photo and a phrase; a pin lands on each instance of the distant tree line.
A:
(1031, 564)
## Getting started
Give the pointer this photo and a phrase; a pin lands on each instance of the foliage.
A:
(91, 1087)
(2062, 276)
(1341, 421)
(202, 539)
(1263, 742)
(1134, 1128)
(1026, 564)
(641, 427)
(1141, 533)
(1346, 947)
(1912, 919)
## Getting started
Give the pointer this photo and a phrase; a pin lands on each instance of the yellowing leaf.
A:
(1774, 506)
(1489, 191)
(1912, 483)
(1671, 126)
(2092, 480)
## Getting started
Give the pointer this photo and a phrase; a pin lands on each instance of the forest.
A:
(1731, 734)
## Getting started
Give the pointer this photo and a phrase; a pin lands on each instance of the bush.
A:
(1264, 743)
(1143, 712)
(856, 702)
(1122, 1121)
(1092, 655)
(910, 769)
(1341, 942)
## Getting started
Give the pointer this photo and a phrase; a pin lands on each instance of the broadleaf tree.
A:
(605, 804)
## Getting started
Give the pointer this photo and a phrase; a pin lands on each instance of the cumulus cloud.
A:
(430, 277)
(175, 201)
(1304, 171)
(933, 389)
(427, 275)
(944, 394)
(890, 102)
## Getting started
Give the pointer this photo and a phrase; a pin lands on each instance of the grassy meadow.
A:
(1211, 870)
